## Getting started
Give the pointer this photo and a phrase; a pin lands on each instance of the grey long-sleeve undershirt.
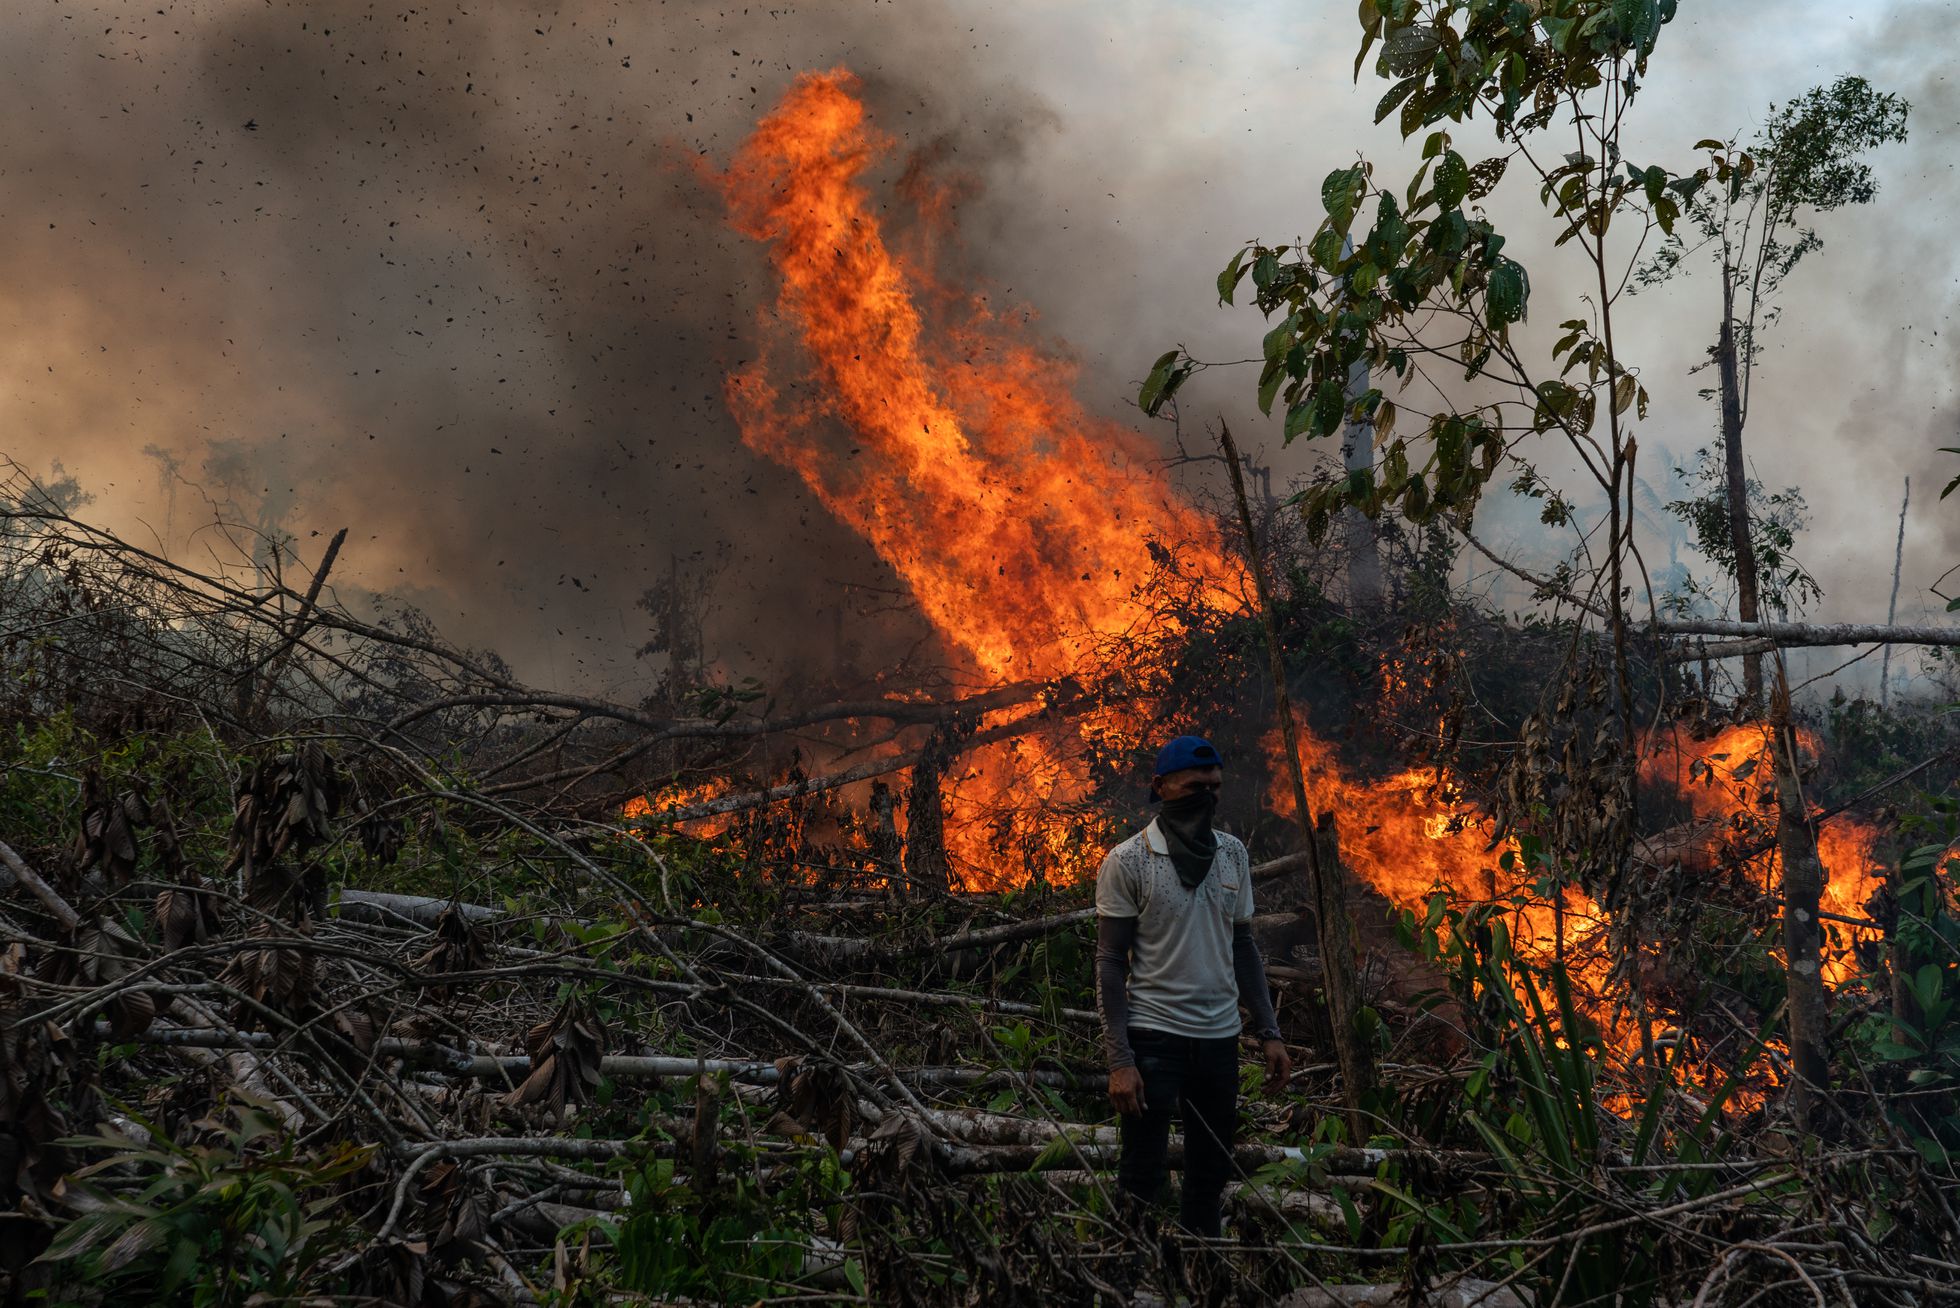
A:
(1116, 936)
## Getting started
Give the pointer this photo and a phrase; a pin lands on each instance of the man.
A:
(1174, 960)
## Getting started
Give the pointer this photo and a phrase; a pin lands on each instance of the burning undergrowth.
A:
(1047, 548)
(300, 902)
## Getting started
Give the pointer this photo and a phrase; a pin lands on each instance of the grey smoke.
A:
(444, 276)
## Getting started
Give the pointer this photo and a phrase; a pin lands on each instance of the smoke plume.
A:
(452, 278)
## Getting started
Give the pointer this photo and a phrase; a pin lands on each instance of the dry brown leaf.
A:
(565, 1055)
(459, 946)
(130, 1014)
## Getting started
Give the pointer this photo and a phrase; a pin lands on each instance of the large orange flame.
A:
(1728, 783)
(1020, 522)
(1410, 834)
(1017, 520)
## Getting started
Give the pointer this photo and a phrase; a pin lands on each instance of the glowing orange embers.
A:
(673, 799)
(1410, 833)
(1019, 522)
(1728, 782)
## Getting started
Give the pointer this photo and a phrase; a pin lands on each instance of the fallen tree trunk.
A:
(953, 1159)
(892, 710)
(49, 897)
(1756, 637)
(446, 1059)
(422, 910)
(380, 909)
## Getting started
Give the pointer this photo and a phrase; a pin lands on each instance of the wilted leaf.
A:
(1623, 388)
(566, 1052)
(139, 1238)
(1384, 420)
(130, 1014)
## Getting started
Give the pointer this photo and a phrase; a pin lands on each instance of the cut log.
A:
(379, 909)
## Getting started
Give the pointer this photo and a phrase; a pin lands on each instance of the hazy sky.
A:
(441, 273)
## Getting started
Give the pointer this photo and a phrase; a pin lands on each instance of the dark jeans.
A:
(1199, 1080)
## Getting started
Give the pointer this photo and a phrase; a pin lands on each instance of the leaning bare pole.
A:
(1892, 609)
(1334, 930)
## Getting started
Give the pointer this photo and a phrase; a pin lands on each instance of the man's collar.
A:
(1154, 837)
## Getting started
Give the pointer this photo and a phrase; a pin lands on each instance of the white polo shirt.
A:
(1181, 979)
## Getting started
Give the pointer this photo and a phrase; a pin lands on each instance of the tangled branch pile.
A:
(329, 972)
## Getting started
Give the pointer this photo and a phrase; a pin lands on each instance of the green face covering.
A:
(1186, 824)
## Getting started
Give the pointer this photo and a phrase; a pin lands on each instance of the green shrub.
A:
(163, 1215)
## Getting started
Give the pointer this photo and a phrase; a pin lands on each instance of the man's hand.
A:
(1126, 1091)
(1279, 1066)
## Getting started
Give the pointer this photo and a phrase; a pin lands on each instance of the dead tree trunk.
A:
(1340, 967)
(1747, 601)
(707, 1097)
(1890, 906)
(886, 846)
(1364, 560)
(1803, 931)
(925, 824)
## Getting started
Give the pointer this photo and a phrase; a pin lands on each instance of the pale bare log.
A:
(423, 910)
(1790, 634)
(41, 890)
(458, 1062)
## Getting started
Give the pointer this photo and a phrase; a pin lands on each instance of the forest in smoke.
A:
(586, 593)
(458, 285)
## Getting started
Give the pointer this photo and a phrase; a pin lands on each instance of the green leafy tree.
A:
(1773, 521)
(1429, 291)
(1754, 224)
(1411, 278)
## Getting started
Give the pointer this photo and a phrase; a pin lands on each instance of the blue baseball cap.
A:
(1186, 752)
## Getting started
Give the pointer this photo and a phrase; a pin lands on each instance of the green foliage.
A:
(1919, 1037)
(740, 1242)
(1870, 744)
(1774, 521)
(1391, 269)
(1534, 1102)
(43, 763)
(249, 1204)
